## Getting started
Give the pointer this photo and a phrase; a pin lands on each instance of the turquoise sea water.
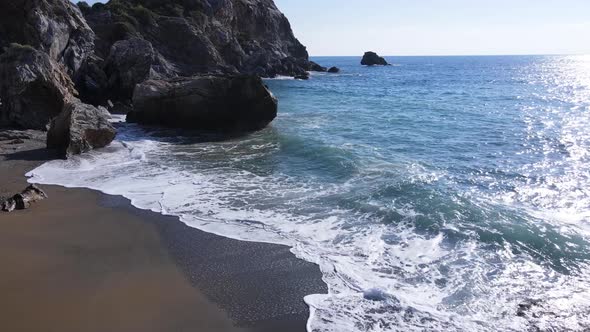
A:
(440, 193)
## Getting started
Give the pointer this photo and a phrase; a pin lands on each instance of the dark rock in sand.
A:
(23, 200)
(334, 70)
(203, 36)
(55, 27)
(33, 88)
(80, 128)
(220, 103)
(315, 67)
(372, 59)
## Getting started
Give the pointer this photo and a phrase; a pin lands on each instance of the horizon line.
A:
(460, 55)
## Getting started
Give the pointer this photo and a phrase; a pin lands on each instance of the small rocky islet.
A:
(373, 59)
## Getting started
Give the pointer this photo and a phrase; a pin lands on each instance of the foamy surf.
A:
(412, 230)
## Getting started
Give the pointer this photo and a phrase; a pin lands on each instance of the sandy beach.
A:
(84, 261)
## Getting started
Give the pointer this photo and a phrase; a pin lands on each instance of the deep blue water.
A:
(439, 193)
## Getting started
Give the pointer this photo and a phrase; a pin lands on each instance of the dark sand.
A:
(85, 261)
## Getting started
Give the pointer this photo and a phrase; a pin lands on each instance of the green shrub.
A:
(84, 7)
(15, 51)
(143, 15)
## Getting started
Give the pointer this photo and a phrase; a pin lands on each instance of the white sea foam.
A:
(381, 277)
(419, 258)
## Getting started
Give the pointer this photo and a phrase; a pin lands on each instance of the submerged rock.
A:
(80, 128)
(220, 103)
(23, 200)
(302, 76)
(55, 27)
(372, 59)
(334, 70)
(33, 88)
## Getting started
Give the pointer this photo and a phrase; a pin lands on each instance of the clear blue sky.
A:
(440, 27)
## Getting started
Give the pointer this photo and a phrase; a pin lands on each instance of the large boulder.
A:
(33, 88)
(217, 103)
(129, 63)
(80, 128)
(55, 27)
(334, 70)
(372, 59)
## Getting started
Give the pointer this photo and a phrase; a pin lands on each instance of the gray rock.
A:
(80, 128)
(372, 59)
(316, 67)
(55, 27)
(129, 63)
(92, 81)
(33, 88)
(220, 103)
(334, 70)
(304, 76)
(204, 36)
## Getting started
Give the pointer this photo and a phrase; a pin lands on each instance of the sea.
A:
(435, 194)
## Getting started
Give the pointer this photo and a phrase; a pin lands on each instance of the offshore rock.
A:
(334, 70)
(302, 76)
(316, 67)
(55, 27)
(372, 59)
(219, 103)
(80, 128)
(33, 88)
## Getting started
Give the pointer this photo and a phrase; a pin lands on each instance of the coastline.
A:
(83, 260)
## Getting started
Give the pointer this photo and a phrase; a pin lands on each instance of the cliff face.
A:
(54, 27)
(108, 49)
(203, 36)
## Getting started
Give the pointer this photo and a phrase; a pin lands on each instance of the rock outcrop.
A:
(185, 63)
(23, 200)
(130, 62)
(203, 36)
(33, 88)
(334, 70)
(316, 67)
(302, 76)
(55, 27)
(80, 128)
(218, 103)
(372, 59)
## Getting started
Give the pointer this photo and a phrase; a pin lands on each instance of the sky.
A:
(440, 27)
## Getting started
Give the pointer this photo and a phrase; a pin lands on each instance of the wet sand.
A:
(84, 261)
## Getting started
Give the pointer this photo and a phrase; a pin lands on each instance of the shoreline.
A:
(84, 260)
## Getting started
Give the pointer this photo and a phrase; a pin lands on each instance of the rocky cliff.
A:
(54, 27)
(53, 52)
(203, 36)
